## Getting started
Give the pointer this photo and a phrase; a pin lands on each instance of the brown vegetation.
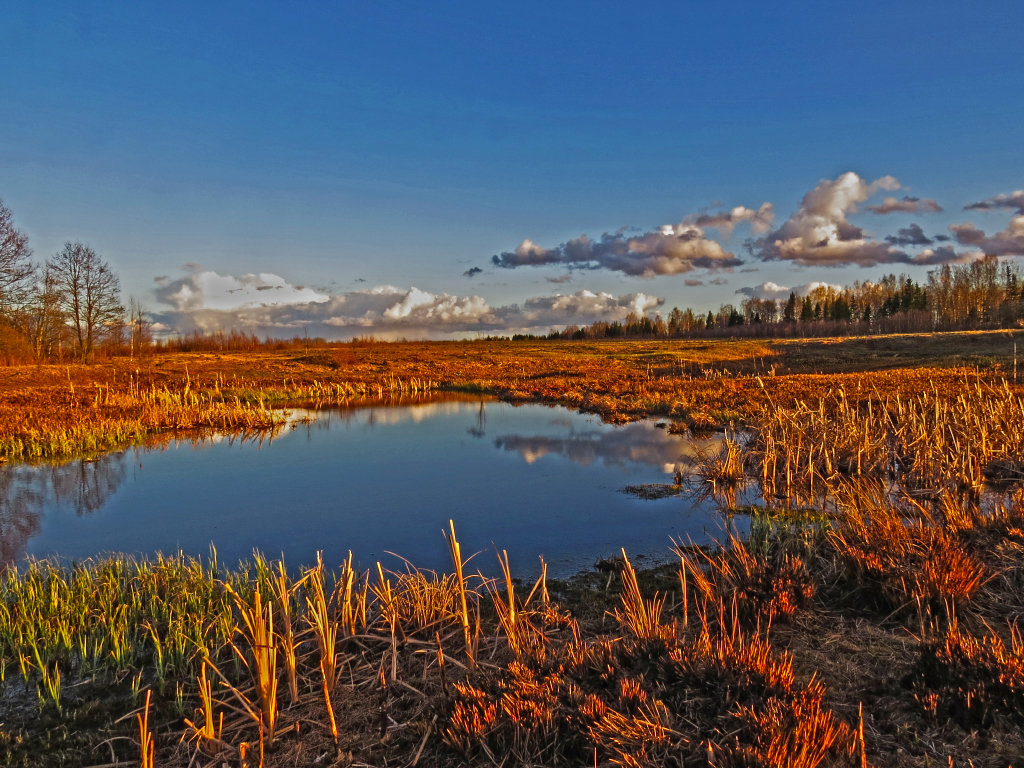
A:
(870, 618)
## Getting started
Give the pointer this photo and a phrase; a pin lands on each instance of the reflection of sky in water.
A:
(531, 479)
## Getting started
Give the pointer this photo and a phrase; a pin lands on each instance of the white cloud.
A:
(770, 290)
(760, 220)
(384, 311)
(584, 307)
(206, 289)
(821, 234)
(668, 251)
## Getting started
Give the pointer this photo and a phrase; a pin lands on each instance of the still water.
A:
(531, 479)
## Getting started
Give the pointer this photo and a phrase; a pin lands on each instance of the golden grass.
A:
(442, 669)
(54, 411)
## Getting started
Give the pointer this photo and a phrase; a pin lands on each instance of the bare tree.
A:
(15, 267)
(140, 333)
(44, 320)
(88, 293)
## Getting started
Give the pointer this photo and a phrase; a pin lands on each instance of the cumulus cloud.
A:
(1013, 201)
(912, 235)
(1009, 242)
(820, 234)
(725, 221)
(906, 204)
(770, 290)
(206, 289)
(671, 250)
(580, 308)
(386, 312)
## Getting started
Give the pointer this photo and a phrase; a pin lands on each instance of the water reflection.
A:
(636, 443)
(532, 479)
(26, 492)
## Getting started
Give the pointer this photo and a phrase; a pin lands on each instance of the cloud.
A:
(1009, 242)
(725, 221)
(472, 272)
(911, 235)
(386, 312)
(770, 290)
(946, 254)
(906, 205)
(630, 444)
(206, 289)
(819, 233)
(583, 307)
(566, 278)
(668, 251)
(1013, 201)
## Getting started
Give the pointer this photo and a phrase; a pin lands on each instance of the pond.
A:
(531, 479)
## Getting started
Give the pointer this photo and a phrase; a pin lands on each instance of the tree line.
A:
(985, 293)
(66, 307)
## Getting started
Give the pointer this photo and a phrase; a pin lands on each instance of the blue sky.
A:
(303, 168)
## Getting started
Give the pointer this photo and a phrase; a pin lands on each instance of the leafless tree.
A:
(89, 295)
(44, 320)
(140, 333)
(15, 267)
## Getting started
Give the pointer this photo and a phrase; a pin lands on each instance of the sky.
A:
(403, 169)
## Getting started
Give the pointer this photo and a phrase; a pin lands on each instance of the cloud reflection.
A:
(636, 443)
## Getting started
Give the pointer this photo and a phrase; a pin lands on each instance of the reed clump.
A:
(973, 678)
(953, 438)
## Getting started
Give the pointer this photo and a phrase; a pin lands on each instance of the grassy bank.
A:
(824, 643)
(59, 411)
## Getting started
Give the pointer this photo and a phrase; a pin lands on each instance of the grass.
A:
(872, 617)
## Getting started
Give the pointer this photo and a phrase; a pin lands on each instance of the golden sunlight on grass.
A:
(870, 617)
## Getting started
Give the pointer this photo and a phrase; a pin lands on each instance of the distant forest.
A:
(982, 294)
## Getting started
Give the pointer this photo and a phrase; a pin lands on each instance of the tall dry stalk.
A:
(258, 619)
(147, 758)
(388, 603)
(209, 732)
(352, 599)
(467, 632)
(325, 629)
(516, 624)
(286, 637)
(639, 616)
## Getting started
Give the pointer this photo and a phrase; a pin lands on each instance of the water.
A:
(530, 479)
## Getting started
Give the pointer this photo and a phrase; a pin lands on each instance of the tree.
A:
(45, 322)
(140, 335)
(15, 267)
(89, 294)
(789, 312)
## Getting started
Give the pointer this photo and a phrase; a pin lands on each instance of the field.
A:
(871, 618)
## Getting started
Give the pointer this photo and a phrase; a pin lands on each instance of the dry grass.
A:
(895, 594)
(53, 411)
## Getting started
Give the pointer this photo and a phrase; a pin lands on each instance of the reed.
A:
(460, 583)
(257, 631)
(640, 616)
(147, 746)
